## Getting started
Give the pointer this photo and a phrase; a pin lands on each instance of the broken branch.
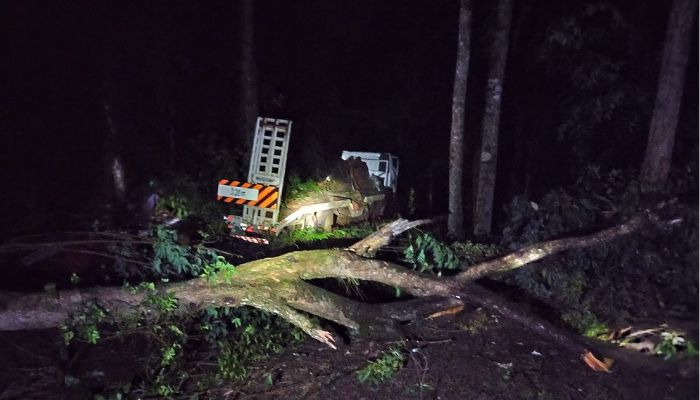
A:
(541, 250)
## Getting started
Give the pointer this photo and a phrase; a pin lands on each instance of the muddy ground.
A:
(470, 355)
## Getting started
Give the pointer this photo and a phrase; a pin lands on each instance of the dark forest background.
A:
(159, 92)
(356, 75)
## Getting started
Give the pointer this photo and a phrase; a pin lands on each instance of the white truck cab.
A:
(382, 165)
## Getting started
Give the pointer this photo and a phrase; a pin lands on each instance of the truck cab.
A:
(384, 166)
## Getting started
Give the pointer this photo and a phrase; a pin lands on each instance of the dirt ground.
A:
(459, 358)
(471, 355)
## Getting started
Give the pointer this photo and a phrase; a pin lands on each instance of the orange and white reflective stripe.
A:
(251, 239)
(246, 186)
(266, 195)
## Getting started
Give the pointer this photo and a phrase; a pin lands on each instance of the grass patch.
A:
(297, 188)
(308, 235)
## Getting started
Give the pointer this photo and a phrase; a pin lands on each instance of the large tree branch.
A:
(276, 285)
(541, 250)
(279, 285)
(368, 246)
(19, 311)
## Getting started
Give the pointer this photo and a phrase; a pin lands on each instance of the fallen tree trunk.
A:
(280, 285)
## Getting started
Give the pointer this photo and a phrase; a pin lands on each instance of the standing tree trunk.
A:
(664, 120)
(106, 56)
(248, 84)
(113, 159)
(486, 170)
(455, 219)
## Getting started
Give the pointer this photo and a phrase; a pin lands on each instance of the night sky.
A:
(355, 75)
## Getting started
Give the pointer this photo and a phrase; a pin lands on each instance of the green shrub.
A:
(307, 235)
(428, 254)
(246, 336)
(171, 259)
(383, 368)
(641, 276)
(297, 188)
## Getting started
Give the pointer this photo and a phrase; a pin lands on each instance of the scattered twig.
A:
(423, 368)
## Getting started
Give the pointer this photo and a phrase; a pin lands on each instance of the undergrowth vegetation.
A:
(428, 254)
(307, 235)
(648, 276)
(233, 338)
(655, 275)
(296, 188)
(246, 335)
(383, 368)
(190, 197)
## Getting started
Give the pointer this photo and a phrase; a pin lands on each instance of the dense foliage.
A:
(429, 254)
(232, 339)
(653, 275)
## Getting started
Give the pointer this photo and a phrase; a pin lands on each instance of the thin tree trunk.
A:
(486, 178)
(516, 178)
(114, 162)
(664, 120)
(248, 77)
(172, 138)
(455, 219)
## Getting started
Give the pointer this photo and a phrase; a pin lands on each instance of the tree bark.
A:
(664, 120)
(488, 155)
(538, 251)
(368, 246)
(455, 218)
(248, 102)
(114, 160)
(277, 285)
(280, 285)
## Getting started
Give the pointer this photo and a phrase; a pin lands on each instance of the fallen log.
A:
(280, 285)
